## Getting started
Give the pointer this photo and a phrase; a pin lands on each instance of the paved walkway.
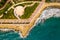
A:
(22, 20)
(25, 28)
(29, 27)
(5, 4)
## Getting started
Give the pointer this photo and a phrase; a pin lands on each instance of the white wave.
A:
(5, 30)
(51, 12)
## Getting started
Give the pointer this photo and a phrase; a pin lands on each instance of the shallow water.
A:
(48, 29)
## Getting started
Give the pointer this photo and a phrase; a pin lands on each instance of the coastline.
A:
(25, 29)
(33, 21)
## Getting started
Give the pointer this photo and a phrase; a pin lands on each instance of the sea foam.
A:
(48, 13)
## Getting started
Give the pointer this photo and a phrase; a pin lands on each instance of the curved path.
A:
(25, 28)
(5, 4)
(22, 3)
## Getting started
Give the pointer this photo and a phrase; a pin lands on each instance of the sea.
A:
(44, 29)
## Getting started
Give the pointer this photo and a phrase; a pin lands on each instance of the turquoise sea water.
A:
(48, 30)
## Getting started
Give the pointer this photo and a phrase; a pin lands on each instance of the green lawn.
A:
(18, 1)
(5, 9)
(48, 1)
(23, 4)
(29, 11)
(2, 2)
(9, 15)
(51, 1)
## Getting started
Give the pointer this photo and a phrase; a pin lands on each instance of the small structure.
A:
(19, 11)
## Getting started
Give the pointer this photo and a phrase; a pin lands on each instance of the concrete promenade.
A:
(29, 27)
(25, 28)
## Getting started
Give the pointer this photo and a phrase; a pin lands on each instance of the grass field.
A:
(28, 11)
(48, 1)
(52, 1)
(18, 1)
(23, 4)
(5, 9)
(2, 3)
(9, 15)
